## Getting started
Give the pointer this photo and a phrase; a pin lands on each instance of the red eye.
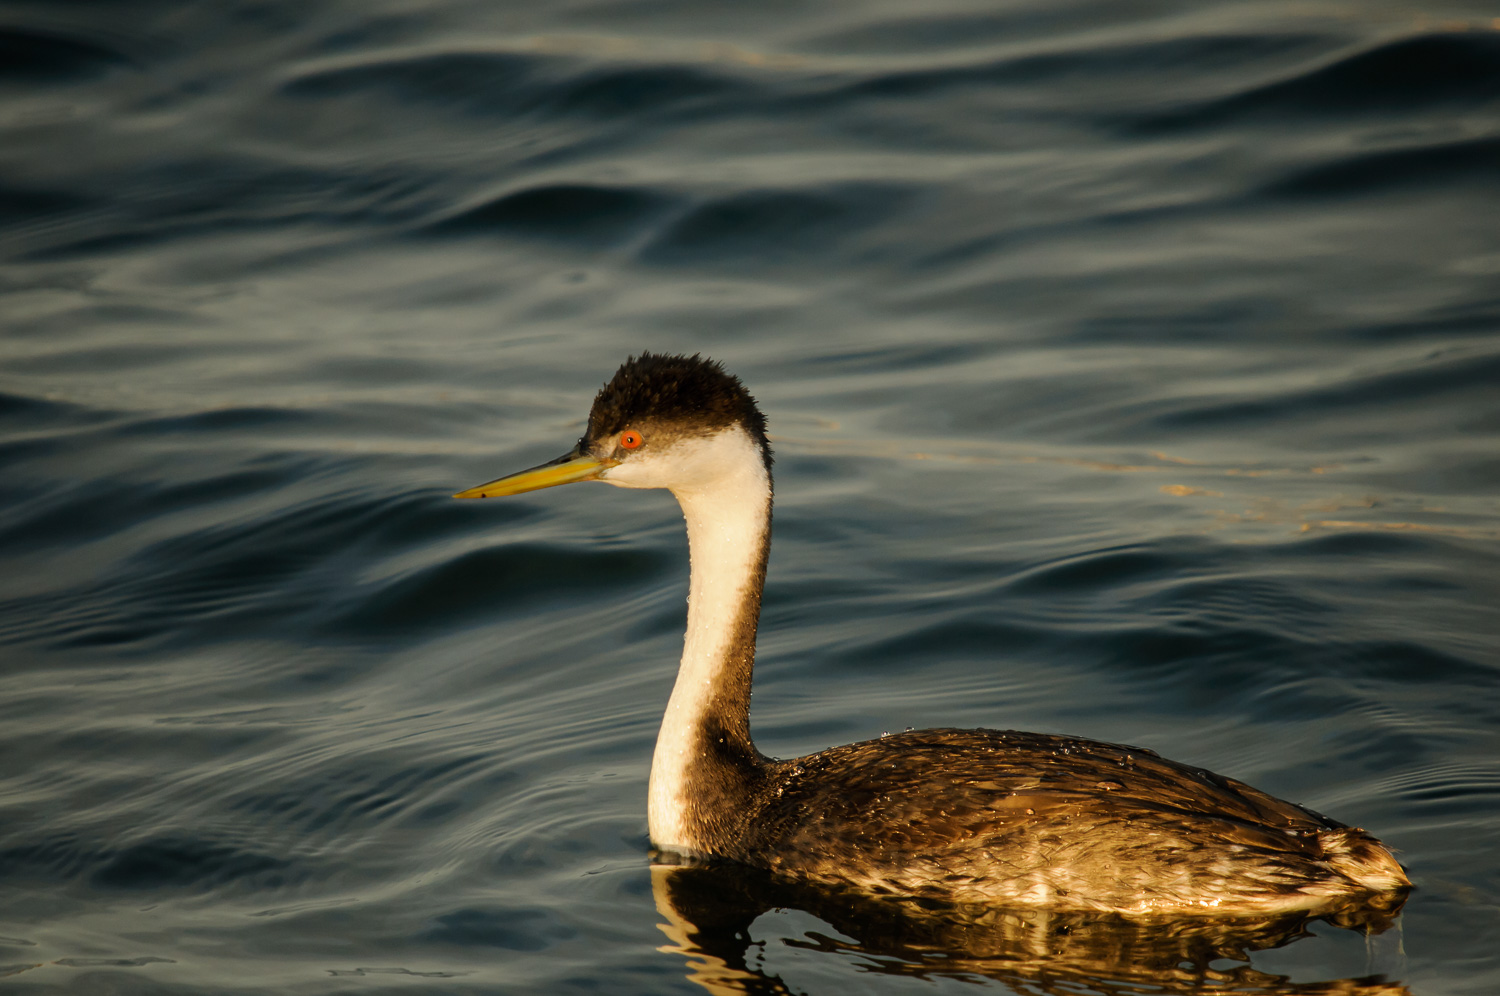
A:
(630, 439)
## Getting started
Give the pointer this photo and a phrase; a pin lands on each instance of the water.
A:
(1132, 370)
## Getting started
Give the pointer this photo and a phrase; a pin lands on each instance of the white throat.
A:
(726, 500)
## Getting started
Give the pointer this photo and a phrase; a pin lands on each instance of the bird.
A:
(1001, 818)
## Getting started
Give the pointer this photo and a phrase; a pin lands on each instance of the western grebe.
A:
(970, 816)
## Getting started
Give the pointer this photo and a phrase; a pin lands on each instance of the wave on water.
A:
(1130, 373)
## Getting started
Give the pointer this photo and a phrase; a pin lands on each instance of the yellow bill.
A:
(565, 469)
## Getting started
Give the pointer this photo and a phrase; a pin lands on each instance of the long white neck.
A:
(705, 734)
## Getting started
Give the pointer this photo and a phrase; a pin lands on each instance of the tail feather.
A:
(1363, 860)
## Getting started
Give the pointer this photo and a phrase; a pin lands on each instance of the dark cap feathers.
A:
(686, 394)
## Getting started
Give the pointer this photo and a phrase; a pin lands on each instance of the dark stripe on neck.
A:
(728, 770)
(729, 704)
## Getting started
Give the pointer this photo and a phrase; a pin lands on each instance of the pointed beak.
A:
(570, 467)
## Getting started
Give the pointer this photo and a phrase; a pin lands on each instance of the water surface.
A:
(1132, 370)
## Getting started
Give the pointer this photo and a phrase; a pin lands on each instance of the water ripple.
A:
(1131, 372)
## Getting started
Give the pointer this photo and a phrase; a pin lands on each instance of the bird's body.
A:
(972, 816)
(1007, 818)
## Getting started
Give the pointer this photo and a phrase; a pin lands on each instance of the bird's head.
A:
(675, 422)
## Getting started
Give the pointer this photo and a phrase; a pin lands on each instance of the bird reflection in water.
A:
(707, 912)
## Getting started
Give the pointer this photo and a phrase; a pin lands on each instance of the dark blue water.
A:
(1133, 371)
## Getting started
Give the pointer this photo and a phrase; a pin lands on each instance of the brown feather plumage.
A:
(1004, 816)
